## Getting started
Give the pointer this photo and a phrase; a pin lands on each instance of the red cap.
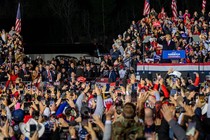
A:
(91, 96)
(81, 79)
(60, 116)
(112, 84)
(121, 66)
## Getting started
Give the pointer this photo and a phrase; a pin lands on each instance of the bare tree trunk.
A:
(103, 19)
(88, 25)
(118, 20)
(133, 10)
(65, 10)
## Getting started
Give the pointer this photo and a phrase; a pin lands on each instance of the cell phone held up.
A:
(33, 128)
(191, 129)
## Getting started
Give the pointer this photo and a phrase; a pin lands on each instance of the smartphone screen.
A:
(191, 129)
(17, 86)
(63, 95)
(173, 80)
(92, 86)
(32, 129)
(29, 87)
(34, 88)
(51, 103)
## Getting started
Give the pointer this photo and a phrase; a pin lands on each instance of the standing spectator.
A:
(104, 70)
(48, 75)
(24, 74)
(12, 76)
(4, 36)
(120, 48)
(186, 14)
(12, 31)
(195, 15)
(72, 68)
(114, 52)
(80, 71)
(94, 69)
(107, 60)
(122, 72)
(112, 75)
(162, 14)
(88, 72)
(64, 74)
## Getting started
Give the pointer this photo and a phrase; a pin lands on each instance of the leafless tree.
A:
(65, 9)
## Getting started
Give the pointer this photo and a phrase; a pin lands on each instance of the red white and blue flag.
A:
(204, 4)
(146, 8)
(18, 20)
(174, 8)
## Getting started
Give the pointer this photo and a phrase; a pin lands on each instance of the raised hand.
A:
(167, 113)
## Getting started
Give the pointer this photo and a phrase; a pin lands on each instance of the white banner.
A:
(177, 67)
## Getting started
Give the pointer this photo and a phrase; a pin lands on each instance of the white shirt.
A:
(122, 73)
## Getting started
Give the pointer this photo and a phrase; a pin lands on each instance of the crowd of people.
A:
(59, 99)
(165, 33)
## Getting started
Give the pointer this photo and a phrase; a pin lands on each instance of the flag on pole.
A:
(146, 8)
(18, 20)
(204, 4)
(174, 8)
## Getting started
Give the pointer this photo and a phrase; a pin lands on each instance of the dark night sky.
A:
(40, 24)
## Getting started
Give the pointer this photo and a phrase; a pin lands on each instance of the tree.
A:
(65, 9)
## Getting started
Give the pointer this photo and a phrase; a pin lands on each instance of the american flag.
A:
(174, 8)
(146, 8)
(18, 20)
(204, 4)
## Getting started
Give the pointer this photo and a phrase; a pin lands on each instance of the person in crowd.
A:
(24, 74)
(48, 75)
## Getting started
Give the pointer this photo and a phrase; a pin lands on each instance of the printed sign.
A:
(173, 54)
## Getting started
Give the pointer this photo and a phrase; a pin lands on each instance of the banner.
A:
(173, 54)
(178, 67)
